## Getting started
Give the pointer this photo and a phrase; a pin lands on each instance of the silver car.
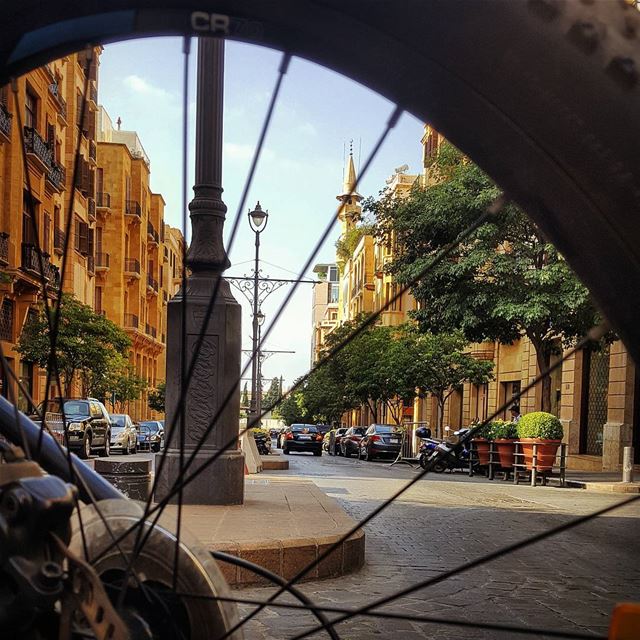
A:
(124, 436)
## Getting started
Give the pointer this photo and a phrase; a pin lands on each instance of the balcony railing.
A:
(152, 283)
(56, 176)
(152, 233)
(31, 264)
(93, 92)
(54, 90)
(5, 121)
(130, 321)
(132, 208)
(58, 240)
(36, 146)
(4, 248)
(102, 260)
(150, 331)
(131, 265)
(91, 209)
(6, 320)
(93, 153)
(91, 264)
(103, 199)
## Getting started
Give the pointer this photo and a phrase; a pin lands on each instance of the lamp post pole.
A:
(257, 221)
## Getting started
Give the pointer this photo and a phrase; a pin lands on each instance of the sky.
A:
(301, 169)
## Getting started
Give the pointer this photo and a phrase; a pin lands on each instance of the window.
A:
(46, 232)
(31, 110)
(333, 274)
(99, 180)
(81, 236)
(29, 219)
(99, 299)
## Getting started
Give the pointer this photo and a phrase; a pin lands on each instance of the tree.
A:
(87, 344)
(503, 282)
(244, 400)
(272, 395)
(156, 397)
(441, 365)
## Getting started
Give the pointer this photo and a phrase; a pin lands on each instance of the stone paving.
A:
(566, 583)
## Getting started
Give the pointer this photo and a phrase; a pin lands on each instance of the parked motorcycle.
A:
(263, 443)
(450, 456)
(427, 445)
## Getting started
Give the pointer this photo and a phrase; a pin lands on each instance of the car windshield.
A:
(118, 420)
(385, 428)
(304, 428)
(150, 426)
(359, 431)
(71, 407)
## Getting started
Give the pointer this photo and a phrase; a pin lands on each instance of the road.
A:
(566, 583)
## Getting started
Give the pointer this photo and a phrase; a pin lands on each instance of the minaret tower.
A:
(350, 211)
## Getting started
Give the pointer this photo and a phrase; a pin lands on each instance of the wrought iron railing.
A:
(6, 320)
(4, 247)
(130, 321)
(57, 176)
(93, 153)
(91, 208)
(5, 121)
(152, 283)
(102, 260)
(132, 208)
(35, 145)
(31, 263)
(132, 265)
(152, 233)
(103, 199)
(93, 92)
(151, 331)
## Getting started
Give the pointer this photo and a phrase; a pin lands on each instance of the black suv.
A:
(88, 424)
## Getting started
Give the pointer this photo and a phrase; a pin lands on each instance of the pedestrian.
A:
(515, 413)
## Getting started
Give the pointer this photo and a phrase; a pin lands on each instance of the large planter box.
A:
(482, 447)
(506, 449)
(546, 450)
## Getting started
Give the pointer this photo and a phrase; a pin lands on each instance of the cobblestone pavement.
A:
(566, 583)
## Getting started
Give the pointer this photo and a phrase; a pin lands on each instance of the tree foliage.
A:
(502, 283)
(347, 243)
(88, 344)
(156, 397)
(271, 397)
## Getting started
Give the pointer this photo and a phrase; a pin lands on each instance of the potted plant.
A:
(544, 430)
(481, 441)
(504, 435)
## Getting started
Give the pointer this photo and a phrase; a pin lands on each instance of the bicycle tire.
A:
(527, 89)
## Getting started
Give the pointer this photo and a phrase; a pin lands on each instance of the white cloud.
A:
(140, 85)
(244, 152)
(308, 129)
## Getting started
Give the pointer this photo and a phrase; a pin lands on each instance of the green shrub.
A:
(503, 430)
(483, 432)
(540, 424)
(259, 431)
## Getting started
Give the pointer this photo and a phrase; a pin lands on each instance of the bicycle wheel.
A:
(543, 86)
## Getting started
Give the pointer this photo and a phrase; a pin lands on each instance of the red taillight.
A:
(375, 438)
(289, 436)
(318, 437)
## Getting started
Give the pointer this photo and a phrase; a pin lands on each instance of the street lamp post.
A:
(257, 221)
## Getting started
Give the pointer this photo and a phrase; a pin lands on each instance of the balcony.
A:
(151, 331)
(93, 152)
(91, 264)
(152, 234)
(56, 177)
(130, 321)
(93, 95)
(58, 241)
(152, 285)
(91, 209)
(132, 208)
(4, 248)
(54, 90)
(132, 268)
(31, 264)
(5, 124)
(103, 200)
(38, 151)
(103, 262)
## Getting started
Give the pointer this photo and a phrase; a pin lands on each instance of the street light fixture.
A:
(257, 221)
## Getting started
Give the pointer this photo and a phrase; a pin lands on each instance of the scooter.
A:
(427, 445)
(451, 456)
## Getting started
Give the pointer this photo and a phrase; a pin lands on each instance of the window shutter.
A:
(92, 183)
(84, 238)
(90, 242)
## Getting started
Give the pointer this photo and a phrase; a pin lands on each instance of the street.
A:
(568, 582)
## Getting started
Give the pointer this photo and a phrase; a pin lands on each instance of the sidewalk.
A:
(283, 525)
(598, 481)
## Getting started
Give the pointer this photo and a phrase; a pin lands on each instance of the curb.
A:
(288, 557)
(603, 487)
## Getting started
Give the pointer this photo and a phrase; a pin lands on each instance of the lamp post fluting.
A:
(257, 221)
(216, 372)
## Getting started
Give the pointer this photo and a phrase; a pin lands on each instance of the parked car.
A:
(350, 441)
(302, 437)
(281, 435)
(333, 448)
(124, 436)
(380, 440)
(151, 435)
(323, 428)
(87, 420)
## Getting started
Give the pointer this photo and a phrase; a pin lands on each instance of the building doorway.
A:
(595, 371)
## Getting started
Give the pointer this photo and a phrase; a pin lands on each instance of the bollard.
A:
(131, 477)
(627, 465)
